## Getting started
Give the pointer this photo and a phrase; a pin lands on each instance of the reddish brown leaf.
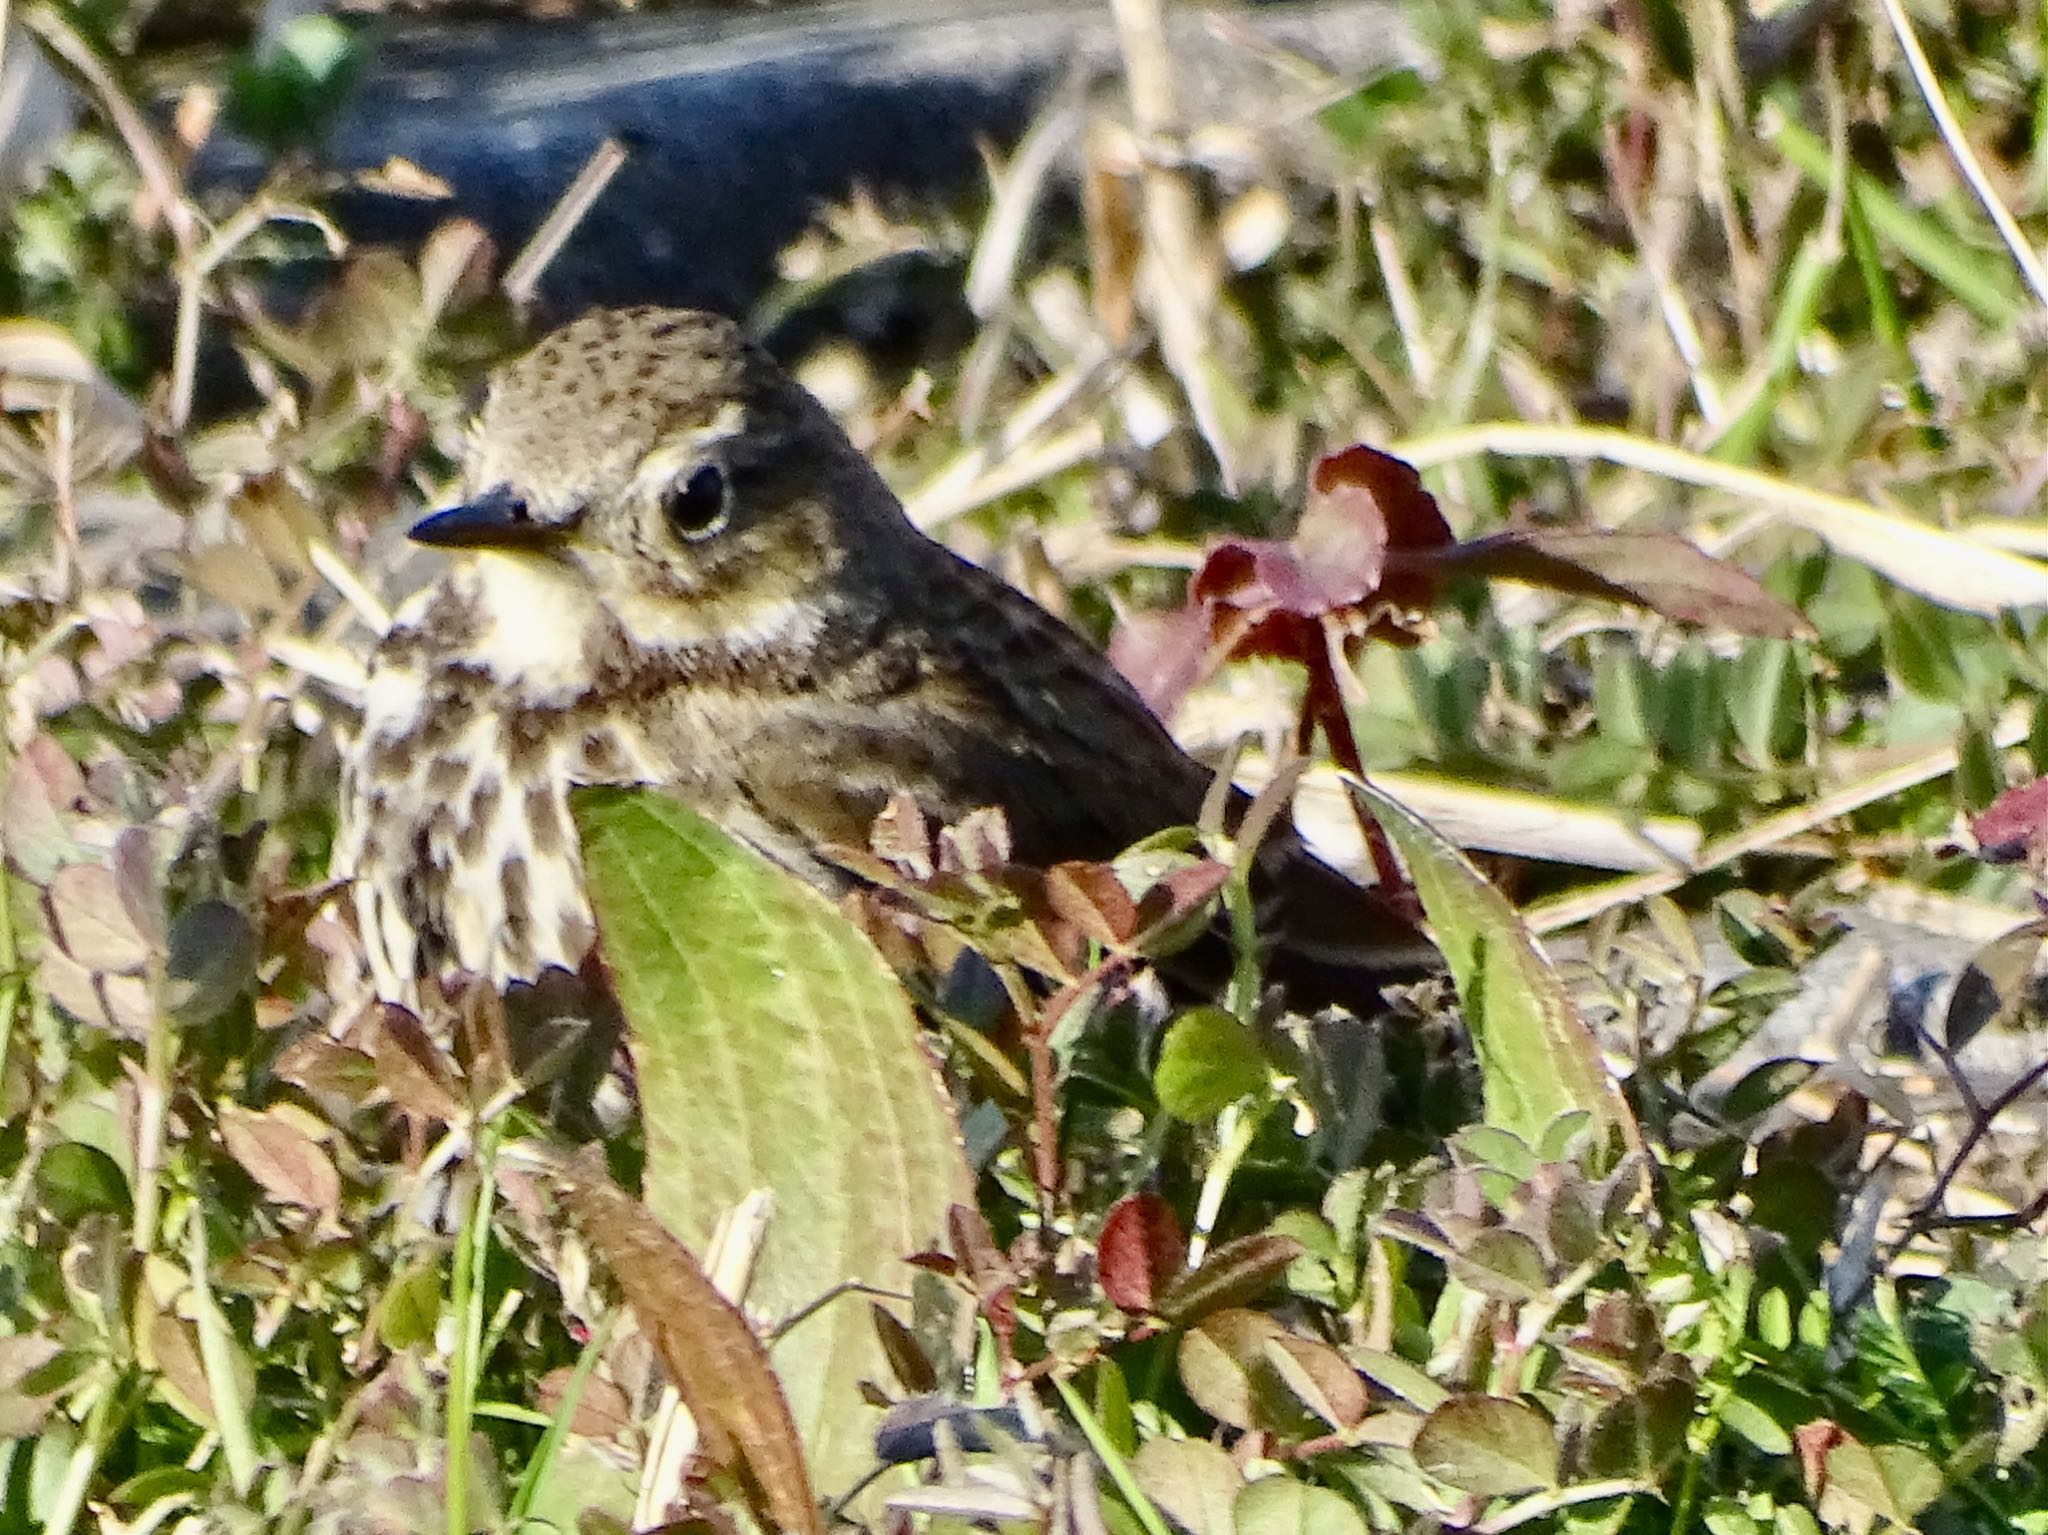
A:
(979, 844)
(908, 1362)
(2014, 824)
(277, 1149)
(44, 790)
(89, 920)
(1224, 1368)
(1658, 571)
(712, 1355)
(1233, 1273)
(134, 866)
(901, 836)
(1415, 525)
(412, 1069)
(338, 1077)
(1813, 1441)
(119, 1004)
(986, 1265)
(1090, 896)
(26, 1390)
(602, 1409)
(1271, 575)
(1140, 1252)
(1318, 1375)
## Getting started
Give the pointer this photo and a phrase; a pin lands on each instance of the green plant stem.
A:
(217, 1355)
(101, 1424)
(152, 1114)
(1119, 1470)
(1236, 1126)
(535, 1475)
(1983, 289)
(465, 1298)
(1721, 1386)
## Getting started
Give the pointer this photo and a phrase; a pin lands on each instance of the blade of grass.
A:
(1118, 1468)
(217, 1351)
(1934, 562)
(1984, 289)
(1966, 159)
(535, 1476)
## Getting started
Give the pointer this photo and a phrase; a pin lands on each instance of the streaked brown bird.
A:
(676, 570)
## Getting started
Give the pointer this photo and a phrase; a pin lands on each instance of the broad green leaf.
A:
(1488, 1445)
(774, 1050)
(1191, 1480)
(1894, 1481)
(1279, 1505)
(1537, 1058)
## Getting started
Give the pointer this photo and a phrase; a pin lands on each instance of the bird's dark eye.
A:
(696, 507)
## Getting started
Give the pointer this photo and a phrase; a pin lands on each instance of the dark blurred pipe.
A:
(738, 127)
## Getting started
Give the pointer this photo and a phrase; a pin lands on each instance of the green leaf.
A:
(1537, 1058)
(1919, 651)
(774, 1050)
(1763, 1087)
(1207, 1062)
(1489, 1446)
(291, 91)
(1641, 1434)
(1502, 1263)
(76, 1180)
(1193, 1481)
(1279, 1505)
(1895, 1481)
(1766, 702)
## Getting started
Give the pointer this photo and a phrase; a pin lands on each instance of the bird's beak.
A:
(497, 519)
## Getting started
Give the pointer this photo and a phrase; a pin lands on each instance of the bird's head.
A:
(655, 469)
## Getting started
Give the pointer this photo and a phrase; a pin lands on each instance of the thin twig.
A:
(1180, 260)
(524, 274)
(1966, 159)
(1980, 1126)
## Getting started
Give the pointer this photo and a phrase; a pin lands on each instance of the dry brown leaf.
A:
(412, 1069)
(43, 792)
(276, 1148)
(712, 1355)
(90, 921)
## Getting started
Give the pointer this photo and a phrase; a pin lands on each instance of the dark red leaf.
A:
(1338, 570)
(1363, 555)
(1658, 571)
(1140, 1251)
(1414, 525)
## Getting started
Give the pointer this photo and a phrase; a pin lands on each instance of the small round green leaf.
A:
(1208, 1061)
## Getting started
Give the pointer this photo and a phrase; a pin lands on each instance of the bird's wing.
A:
(1040, 722)
(1084, 769)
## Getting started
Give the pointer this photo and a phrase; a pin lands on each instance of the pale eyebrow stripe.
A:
(667, 457)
